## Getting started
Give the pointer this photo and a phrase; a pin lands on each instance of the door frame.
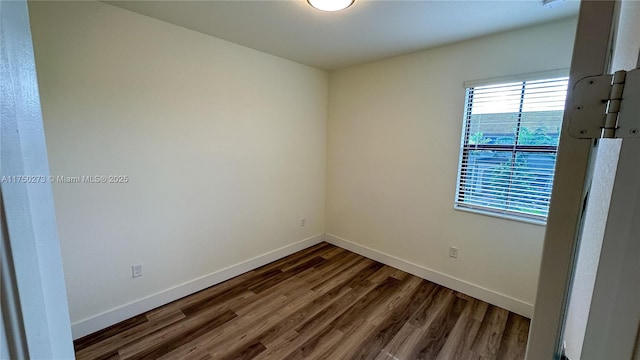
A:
(35, 316)
(591, 56)
(614, 316)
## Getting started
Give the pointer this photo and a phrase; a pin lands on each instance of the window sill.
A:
(501, 216)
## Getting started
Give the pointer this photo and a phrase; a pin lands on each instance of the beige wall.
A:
(224, 147)
(393, 146)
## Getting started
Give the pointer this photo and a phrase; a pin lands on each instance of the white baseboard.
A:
(126, 311)
(478, 292)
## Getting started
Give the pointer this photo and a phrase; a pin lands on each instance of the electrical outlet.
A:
(303, 222)
(136, 270)
(453, 252)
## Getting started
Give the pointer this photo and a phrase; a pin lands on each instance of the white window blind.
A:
(509, 144)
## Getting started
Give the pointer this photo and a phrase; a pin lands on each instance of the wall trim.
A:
(504, 301)
(100, 321)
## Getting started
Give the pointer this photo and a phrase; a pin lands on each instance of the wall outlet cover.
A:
(453, 252)
(136, 270)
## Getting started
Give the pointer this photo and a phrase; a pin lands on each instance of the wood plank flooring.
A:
(321, 303)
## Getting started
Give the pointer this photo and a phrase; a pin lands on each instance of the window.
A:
(509, 145)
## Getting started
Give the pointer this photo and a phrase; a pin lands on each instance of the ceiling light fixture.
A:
(330, 5)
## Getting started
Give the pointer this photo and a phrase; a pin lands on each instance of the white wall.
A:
(224, 147)
(393, 147)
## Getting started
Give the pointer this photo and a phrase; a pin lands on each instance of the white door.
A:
(589, 287)
(35, 317)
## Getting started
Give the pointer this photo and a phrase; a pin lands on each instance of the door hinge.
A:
(599, 106)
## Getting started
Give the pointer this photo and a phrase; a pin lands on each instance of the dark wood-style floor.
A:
(320, 303)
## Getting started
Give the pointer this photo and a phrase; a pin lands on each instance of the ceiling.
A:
(368, 30)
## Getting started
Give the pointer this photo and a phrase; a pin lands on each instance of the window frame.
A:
(513, 149)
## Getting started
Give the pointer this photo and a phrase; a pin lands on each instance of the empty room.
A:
(280, 180)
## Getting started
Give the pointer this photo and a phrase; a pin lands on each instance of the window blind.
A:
(509, 144)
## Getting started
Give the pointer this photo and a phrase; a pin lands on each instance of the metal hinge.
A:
(599, 106)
